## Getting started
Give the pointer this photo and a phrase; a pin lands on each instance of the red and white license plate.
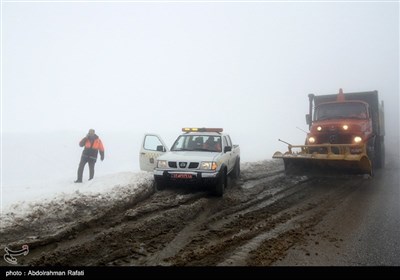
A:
(181, 176)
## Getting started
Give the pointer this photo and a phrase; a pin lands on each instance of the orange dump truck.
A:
(346, 136)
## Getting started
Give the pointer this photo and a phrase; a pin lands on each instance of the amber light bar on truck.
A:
(201, 129)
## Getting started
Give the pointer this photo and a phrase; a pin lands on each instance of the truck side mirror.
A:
(308, 119)
(227, 149)
(160, 148)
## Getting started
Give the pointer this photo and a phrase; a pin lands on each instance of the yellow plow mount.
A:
(326, 159)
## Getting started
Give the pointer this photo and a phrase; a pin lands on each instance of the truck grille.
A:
(193, 165)
(335, 139)
(182, 165)
(172, 164)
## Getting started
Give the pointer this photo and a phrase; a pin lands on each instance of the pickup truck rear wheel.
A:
(236, 169)
(221, 185)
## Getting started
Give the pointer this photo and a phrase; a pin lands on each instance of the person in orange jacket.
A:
(92, 147)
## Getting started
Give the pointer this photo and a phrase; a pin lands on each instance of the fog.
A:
(125, 69)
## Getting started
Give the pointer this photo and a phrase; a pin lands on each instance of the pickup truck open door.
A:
(152, 147)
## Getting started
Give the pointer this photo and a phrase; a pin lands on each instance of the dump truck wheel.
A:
(371, 152)
(379, 153)
(383, 158)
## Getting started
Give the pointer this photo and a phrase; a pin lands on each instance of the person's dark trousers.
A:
(91, 162)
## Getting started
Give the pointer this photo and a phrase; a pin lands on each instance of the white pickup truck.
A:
(204, 156)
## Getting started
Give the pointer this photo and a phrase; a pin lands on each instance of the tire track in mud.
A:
(262, 236)
(259, 218)
(102, 241)
(292, 224)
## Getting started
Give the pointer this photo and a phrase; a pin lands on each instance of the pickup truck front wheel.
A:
(221, 184)
(159, 185)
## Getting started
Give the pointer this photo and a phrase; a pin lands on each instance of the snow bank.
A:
(72, 201)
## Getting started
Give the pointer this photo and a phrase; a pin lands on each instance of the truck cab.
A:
(204, 156)
(340, 122)
(351, 118)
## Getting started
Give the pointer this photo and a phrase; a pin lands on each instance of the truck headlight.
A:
(311, 140)
(357, 139)
(208, 165)
(345, 127)
(162, 164)
(319, 128)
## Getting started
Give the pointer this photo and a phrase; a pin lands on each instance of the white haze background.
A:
(125, 69)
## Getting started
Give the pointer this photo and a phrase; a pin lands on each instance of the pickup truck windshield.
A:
(350, 110)
(208, 143)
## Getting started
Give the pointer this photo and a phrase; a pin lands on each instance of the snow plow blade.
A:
(326, 160)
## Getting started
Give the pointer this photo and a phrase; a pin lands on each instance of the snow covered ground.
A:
(22, 196)
(38, 173)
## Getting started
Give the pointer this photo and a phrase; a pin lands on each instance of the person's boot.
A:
(78, 181)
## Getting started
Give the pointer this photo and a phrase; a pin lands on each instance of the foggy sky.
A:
(157, 67)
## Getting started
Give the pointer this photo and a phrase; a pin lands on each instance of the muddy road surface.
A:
(264, 219)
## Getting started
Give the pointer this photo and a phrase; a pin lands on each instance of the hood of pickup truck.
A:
(189, 156)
